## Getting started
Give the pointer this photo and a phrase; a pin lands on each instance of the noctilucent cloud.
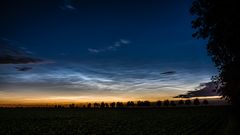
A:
(92, 50)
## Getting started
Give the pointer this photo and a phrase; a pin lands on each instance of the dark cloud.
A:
(14, 55)
(203, 90)
(23, 68)
(168, 73)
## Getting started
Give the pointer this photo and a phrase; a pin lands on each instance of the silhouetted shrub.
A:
(196, 101)
(112, 104)
(72, 106)
(102, 105)
(180, 102)
(89, 105)
(59, 106)
(139, 103)
(188, 102)
(166, 102)
(146, 103)
(205, 102)
(159, 103)
(119, 105)
(106, 105)
(130, 104)
(172, 103)
(96, 105)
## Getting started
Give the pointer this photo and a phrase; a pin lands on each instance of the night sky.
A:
(98, 50)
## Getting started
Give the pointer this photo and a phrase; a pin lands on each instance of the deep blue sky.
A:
(129, 43)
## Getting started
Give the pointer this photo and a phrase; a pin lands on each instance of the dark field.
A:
(189, 120)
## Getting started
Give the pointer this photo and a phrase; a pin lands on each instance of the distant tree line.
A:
(140, 104)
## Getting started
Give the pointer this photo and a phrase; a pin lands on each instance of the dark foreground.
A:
(189, 120)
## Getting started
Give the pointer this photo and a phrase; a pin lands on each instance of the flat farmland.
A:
(169, 121)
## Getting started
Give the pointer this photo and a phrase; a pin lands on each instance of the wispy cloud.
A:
(26, 50)
(68, 5)
(95, 81)
(123, 41)
(116, 45)
(94, 50)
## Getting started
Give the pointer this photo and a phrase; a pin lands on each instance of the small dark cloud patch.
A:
(10, 54)
(182, 96)
(168, 73)
(23, 68)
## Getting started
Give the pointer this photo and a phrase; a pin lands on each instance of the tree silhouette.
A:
(96, 105)
(172, 103)
(89, 105)
(130, 104)
(139, 103)
(180, 102)
(159, 103)
(106, 105)
(112, 104)
(205, 102)
(166, 102)
(72, 106)
(119, 105)
(218, 22)
(59, 106)
(146, 103)
(102, 105)
(188, 102)
(196, 101)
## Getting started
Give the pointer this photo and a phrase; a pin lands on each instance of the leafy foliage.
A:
(218, 22)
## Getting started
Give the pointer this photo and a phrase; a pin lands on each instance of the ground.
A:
(172, 120)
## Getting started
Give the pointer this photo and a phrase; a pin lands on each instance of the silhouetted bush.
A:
(146, 103)
(205, 102)
(172, 103)
(159, 103)
(139, 103)
(112, 104)
(119, 105)
(180, 102)
(89, 105)
(72, 106)
(102, 105)
(188, 102)
(166, 102)
(58, 106)
(106, 105)
(196, 101)
(130, 104)
(96, 105)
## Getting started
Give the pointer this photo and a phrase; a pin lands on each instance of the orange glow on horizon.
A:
(83, 100)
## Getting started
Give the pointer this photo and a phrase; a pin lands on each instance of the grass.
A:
(173, 121)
